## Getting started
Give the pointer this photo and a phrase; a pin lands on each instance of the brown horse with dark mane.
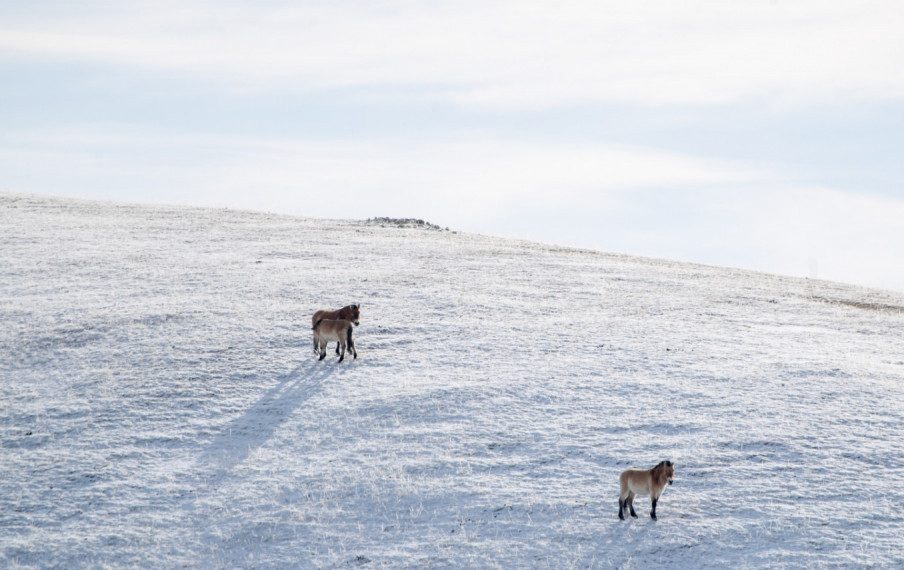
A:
(650, 482)
(348, 313)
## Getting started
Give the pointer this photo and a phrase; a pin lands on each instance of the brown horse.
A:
(650, 482)
(339, 331)
(348, 313)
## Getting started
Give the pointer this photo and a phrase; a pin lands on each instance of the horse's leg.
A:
(622, 504)
(630, 501)
(322, 350)
(653, 512)
(337, 348)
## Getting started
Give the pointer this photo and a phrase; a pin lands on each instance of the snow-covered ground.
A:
(160, 403)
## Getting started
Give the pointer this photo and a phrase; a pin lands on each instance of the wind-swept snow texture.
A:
(161, 404)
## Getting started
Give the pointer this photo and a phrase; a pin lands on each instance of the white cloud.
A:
(495, 55)
(838, 235)
(499, 54)
(773, 227)
(474, 177)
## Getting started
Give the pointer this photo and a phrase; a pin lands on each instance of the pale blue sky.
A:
(764, 135)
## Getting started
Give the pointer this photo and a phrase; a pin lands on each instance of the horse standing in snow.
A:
(340, 331)
(348, 313)
(650, 482)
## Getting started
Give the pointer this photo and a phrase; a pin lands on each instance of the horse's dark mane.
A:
(658, 472)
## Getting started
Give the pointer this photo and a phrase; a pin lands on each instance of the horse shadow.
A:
(254, 427)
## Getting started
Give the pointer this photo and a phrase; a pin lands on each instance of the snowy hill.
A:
(160, 403)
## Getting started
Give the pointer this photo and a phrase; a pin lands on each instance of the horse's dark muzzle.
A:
(670, 481)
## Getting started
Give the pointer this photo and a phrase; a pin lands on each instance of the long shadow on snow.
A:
(253, 428)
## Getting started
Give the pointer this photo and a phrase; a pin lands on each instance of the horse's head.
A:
(667, 471)
(670, 471)
(354, 313)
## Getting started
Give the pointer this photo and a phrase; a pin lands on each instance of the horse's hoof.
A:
(621, 516)
(633, 515)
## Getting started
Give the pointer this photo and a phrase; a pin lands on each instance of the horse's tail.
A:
(317, 322)
(348, 335)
